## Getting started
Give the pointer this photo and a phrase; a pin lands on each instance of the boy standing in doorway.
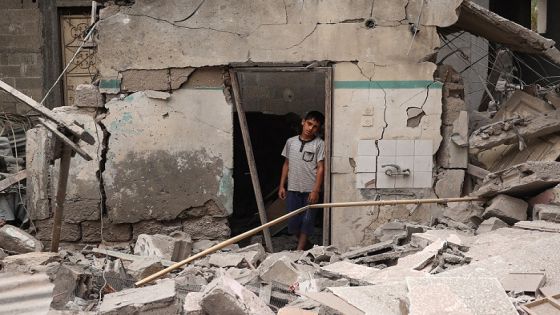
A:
(304, 169)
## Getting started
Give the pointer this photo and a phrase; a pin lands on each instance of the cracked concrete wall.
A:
(168, 161)
(167, 156)
(175, 33)
(370, 104)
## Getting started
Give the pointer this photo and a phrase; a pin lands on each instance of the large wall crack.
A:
(186, 27)
(192, 13)
(102, 164)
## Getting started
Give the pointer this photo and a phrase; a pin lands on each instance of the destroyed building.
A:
(189, 105)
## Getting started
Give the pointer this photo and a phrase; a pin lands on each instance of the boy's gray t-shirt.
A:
(303, 159)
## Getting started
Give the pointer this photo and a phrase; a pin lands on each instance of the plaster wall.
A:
(166, 156)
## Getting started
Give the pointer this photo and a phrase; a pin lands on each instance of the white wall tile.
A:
(367, 147)
(404, 181)
(423, 163)
(383, 180)
(365, 180)
(423, 147)
(387, 147)
(405, 147)
(422, 179)
(366, 164)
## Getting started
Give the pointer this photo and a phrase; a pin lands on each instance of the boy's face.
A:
(310, 127)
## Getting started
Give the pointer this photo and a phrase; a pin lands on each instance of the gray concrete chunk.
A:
(17, 240)
(507, 208)
(141, 268)
(176, 247)
(157, 299)
(548, 212)
(226, 296)
(491, 224)
(87, 95)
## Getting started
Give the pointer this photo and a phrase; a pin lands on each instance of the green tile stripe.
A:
(419, 84)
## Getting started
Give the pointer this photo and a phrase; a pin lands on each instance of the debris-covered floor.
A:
(448, 268)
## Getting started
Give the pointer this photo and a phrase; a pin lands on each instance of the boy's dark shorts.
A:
(303, 222)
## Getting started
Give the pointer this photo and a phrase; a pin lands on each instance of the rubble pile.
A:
(396, 276)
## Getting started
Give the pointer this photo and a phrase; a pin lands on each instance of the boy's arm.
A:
(314, 195)
(283, 177)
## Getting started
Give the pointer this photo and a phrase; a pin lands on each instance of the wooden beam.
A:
(72, 128)
(328, 155)
(67, 142)
(250, 159)
(60, 195)
(9, 181)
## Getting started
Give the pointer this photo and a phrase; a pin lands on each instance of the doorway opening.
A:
(274, 101)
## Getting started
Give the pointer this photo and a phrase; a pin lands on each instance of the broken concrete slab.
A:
(390, 231)
(226, 296)
(175, 247)
(353, 272)
(491, 224)
(545, 306)
(369, 250)
(243, 276)
(538, 225)
(29, 262)
(334, 302)
(192, 304)
(523, 179)
(507, 208)
(255, 253)
(159, 298)
(88, 95)
(295, 311)
(547, 212)
(18, 241)
(388, 298)
(141, 268)
(469, 213)
(223, 260)
(521, 104)
(523, 282)
(281, 271)
(449, 183)
(157, 95)
(446, 295)
(511, 130)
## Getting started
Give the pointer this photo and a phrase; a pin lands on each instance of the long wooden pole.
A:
(250, 159)
(289, 215)
(63, 171)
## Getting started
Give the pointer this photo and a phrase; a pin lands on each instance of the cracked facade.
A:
(166, 160)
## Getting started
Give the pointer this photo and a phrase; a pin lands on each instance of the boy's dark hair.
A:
(315, 115)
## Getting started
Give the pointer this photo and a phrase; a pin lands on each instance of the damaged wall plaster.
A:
(161, 159)
(159, 149)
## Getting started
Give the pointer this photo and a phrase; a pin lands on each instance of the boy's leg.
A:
(307, 225)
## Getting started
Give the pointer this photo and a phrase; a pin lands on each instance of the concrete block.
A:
(469, 213)
(226, 296)
(449, 183)
(141, 268)
(178, 76)
(156, 299)
(344, 269)
(507, 208)
(140, 80)
(201, 245)
(92, 232)
(88, 95)
(17, 240)
(491, 225)
(523, 179)
(223, 260)
(281, 271)
(547, 212)
(244, 275)
(69, 232)
(254, 253)
(192, 304)
(29, 262)
(523, 282)
(155, 227)
(207, 228)
(176, 247)
(549, 196)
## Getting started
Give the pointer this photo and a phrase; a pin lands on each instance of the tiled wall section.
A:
(412, 155)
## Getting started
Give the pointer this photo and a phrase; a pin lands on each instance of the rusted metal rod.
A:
(289, 215)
